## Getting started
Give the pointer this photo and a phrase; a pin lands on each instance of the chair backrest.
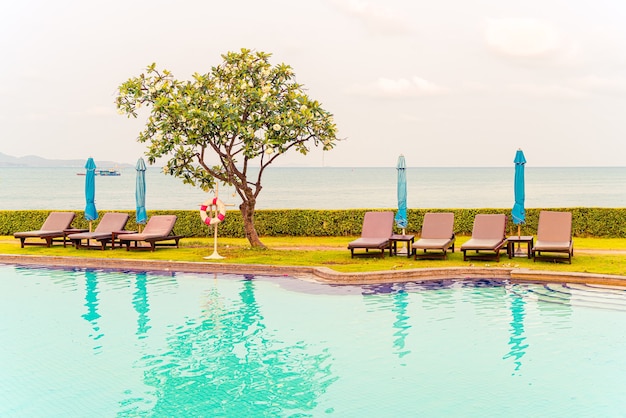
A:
(438, 225)
(112, 222)
(58, 221)
(160, 225)
(489, 226)
(554, 226)
(377, 225)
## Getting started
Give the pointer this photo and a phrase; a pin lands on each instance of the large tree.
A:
(243, 113)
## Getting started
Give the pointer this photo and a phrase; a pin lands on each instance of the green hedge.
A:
(587, 222)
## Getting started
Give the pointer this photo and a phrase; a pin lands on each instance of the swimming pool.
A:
(104, 343)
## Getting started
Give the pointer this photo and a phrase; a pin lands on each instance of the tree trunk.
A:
(247, 213)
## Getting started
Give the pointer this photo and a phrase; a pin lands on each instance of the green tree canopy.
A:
(243, 113)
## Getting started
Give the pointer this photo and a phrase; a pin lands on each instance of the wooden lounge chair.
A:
(488, 234)
(375, 234)
(158, 229)
(54, 227)
(437, 236)
(109, 223)
(554, 235)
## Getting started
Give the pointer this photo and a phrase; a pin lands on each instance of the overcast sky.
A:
(446, 82)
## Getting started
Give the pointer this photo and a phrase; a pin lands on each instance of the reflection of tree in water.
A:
(232, 366)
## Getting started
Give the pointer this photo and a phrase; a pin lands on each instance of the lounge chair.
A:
(158, 229)
(54, 227)
(488, 234)
(375, 234)
(109, 223)
(437, 236)
(554, 235)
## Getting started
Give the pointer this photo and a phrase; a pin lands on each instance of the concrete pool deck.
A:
(322, 274)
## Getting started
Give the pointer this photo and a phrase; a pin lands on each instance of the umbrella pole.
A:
(89, 226)
(518, 253)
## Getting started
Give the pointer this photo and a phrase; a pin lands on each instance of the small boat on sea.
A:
(109, 172)
(105, 172)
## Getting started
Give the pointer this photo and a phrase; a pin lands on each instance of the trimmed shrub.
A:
(586, 222)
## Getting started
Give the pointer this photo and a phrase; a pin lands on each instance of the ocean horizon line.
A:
(127, 166)
(445, 167)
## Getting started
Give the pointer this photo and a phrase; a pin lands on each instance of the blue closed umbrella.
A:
(519, 213)
(91, 214)
(401, 217)
(140, 193)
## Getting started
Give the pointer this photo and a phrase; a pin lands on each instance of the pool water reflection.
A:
(103, 343)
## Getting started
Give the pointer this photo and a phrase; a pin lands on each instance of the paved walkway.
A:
(322, 274)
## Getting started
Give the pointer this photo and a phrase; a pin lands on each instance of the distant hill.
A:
(35, 161)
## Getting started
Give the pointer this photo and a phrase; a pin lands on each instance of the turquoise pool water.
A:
(79, 343)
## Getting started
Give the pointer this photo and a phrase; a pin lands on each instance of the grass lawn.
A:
(591, 255)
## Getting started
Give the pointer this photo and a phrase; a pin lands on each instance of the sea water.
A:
(324, 188)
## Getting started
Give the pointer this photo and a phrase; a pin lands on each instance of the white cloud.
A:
(573, 88)
(400, 88)
(376, 18)
(522, 37)
(548, 91)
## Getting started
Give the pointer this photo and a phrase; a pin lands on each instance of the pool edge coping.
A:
(322, 274)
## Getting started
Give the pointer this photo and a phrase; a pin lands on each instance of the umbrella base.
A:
(520, 253)
(516, 249)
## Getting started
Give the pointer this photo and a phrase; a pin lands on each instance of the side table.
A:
(395, 238)
(512, 240)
